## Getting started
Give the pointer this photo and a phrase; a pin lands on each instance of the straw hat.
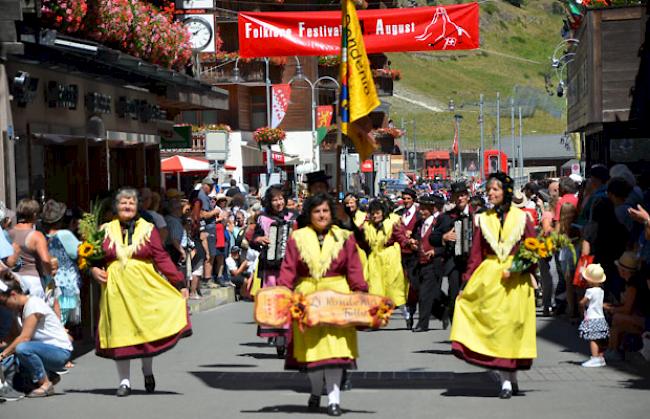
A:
(594, 273)
(53, 211)
(628, 261)
(519, 199)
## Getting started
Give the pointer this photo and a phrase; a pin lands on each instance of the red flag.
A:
(281, 96)
(455, 146)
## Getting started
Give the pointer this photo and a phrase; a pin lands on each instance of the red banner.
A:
(367, 166)
(454, 27)
(278, 158)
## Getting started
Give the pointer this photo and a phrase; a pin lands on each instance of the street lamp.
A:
(458, 119)
(236, 78)
(300, 76)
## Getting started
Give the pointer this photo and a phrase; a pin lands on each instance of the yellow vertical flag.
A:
(358, 92)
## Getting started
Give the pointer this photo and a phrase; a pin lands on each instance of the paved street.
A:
(224, 371)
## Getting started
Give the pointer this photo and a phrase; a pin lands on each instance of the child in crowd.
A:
(594, 327)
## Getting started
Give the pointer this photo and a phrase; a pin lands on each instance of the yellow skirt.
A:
(385, 274)
(495, 316)
(319, 343)
(138, 306)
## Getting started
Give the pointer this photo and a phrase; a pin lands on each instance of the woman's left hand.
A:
(185, 293)
(505, 274)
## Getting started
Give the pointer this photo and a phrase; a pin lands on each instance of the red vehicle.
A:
(492, 164)
(436, 164)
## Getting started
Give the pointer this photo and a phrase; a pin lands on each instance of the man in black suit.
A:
(431, 258)
(410, 215)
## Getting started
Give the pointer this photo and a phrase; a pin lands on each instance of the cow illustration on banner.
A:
(281, 97)
(451, 27)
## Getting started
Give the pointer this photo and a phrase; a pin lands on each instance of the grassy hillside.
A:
(516, 46)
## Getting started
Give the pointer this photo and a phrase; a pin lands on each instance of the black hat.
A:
(53, 211)
(430, 199)
(317, 176)
(409, 191)
(459, 187)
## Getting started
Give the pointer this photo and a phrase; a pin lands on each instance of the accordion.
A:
(279, 233)
(463, 229)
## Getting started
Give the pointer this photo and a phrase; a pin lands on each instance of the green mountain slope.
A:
(516, 46)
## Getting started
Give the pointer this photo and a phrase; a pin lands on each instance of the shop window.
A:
(258, 111)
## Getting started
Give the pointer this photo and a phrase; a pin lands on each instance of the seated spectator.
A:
(237, 268)
(43, 346)
(629, 316)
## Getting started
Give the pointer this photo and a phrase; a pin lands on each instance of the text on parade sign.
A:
(453, 27)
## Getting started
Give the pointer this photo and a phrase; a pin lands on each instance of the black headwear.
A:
(459, 187)
(409, 191)
(508, 190)
(317, 176)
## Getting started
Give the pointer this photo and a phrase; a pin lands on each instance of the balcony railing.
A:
(249, 72)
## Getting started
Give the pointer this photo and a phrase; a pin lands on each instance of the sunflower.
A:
(86, 249)
(83, 263)
(531, 243)
(550, 245)
(542, 251)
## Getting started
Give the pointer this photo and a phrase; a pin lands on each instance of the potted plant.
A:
(269, 136)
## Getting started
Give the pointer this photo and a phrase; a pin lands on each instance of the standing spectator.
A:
(594, 327)
(150, 204)
(62, 245)
(595, 189)
(222, 237)
(618, 191)
(36, 259)
(176, 235)
(208, 236)
(567, 192)
(233, 190)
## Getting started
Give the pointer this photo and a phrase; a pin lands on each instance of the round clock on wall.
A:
(200, 32)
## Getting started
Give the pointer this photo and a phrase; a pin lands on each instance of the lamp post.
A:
(458, 119)
(481, 122)
(236, 78)
(512, 134)
(300, 76)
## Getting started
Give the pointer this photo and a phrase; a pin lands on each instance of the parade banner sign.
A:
(278, 306)
(453, 27)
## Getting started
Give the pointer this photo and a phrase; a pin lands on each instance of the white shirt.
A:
(49, 329)
(409, 214)
(427, 223)
(595, 296)
(231, 264)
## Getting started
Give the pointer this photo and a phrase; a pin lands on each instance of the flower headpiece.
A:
(508, 190)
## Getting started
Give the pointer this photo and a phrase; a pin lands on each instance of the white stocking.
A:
(405, 311)
(505, 380)
(332, 384)
(317, 380)
(147, 366)
(124, 371)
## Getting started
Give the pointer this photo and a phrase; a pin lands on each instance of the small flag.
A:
(281, 96)
(323, 120)
(358, 92)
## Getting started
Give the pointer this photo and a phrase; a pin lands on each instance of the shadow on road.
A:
(290, 408)
(111, 392)
(259, 355)
(229, 366)
(434, 352)
(256, 344)
(471, 384)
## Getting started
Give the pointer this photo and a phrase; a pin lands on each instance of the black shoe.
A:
(280, 351)
(505, 394)
(149, 383)
(123, 391)
(409, 324)
(346, 385)
(546, 312)
(419, 329)
(445, 320)
(313, 405)
(334, 410)
(515, 389)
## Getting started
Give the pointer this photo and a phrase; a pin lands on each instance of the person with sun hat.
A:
(594, 327)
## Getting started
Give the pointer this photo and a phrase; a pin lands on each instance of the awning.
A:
(182, 164)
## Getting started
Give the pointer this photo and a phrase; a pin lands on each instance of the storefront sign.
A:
(59, 95)
(138, 109)
(98, 103)
(180, 136)
(453, 27)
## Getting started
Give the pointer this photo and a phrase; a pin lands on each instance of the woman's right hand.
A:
(100, 275)
(262, 241)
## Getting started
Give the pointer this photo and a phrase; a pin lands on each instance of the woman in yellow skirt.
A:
(384, 234)
(494, 318)
(322, 256)
(141, 313)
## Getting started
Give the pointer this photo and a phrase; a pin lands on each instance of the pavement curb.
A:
(212, 298)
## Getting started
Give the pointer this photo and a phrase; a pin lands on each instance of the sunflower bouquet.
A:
(536, 248)
(90, 250)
